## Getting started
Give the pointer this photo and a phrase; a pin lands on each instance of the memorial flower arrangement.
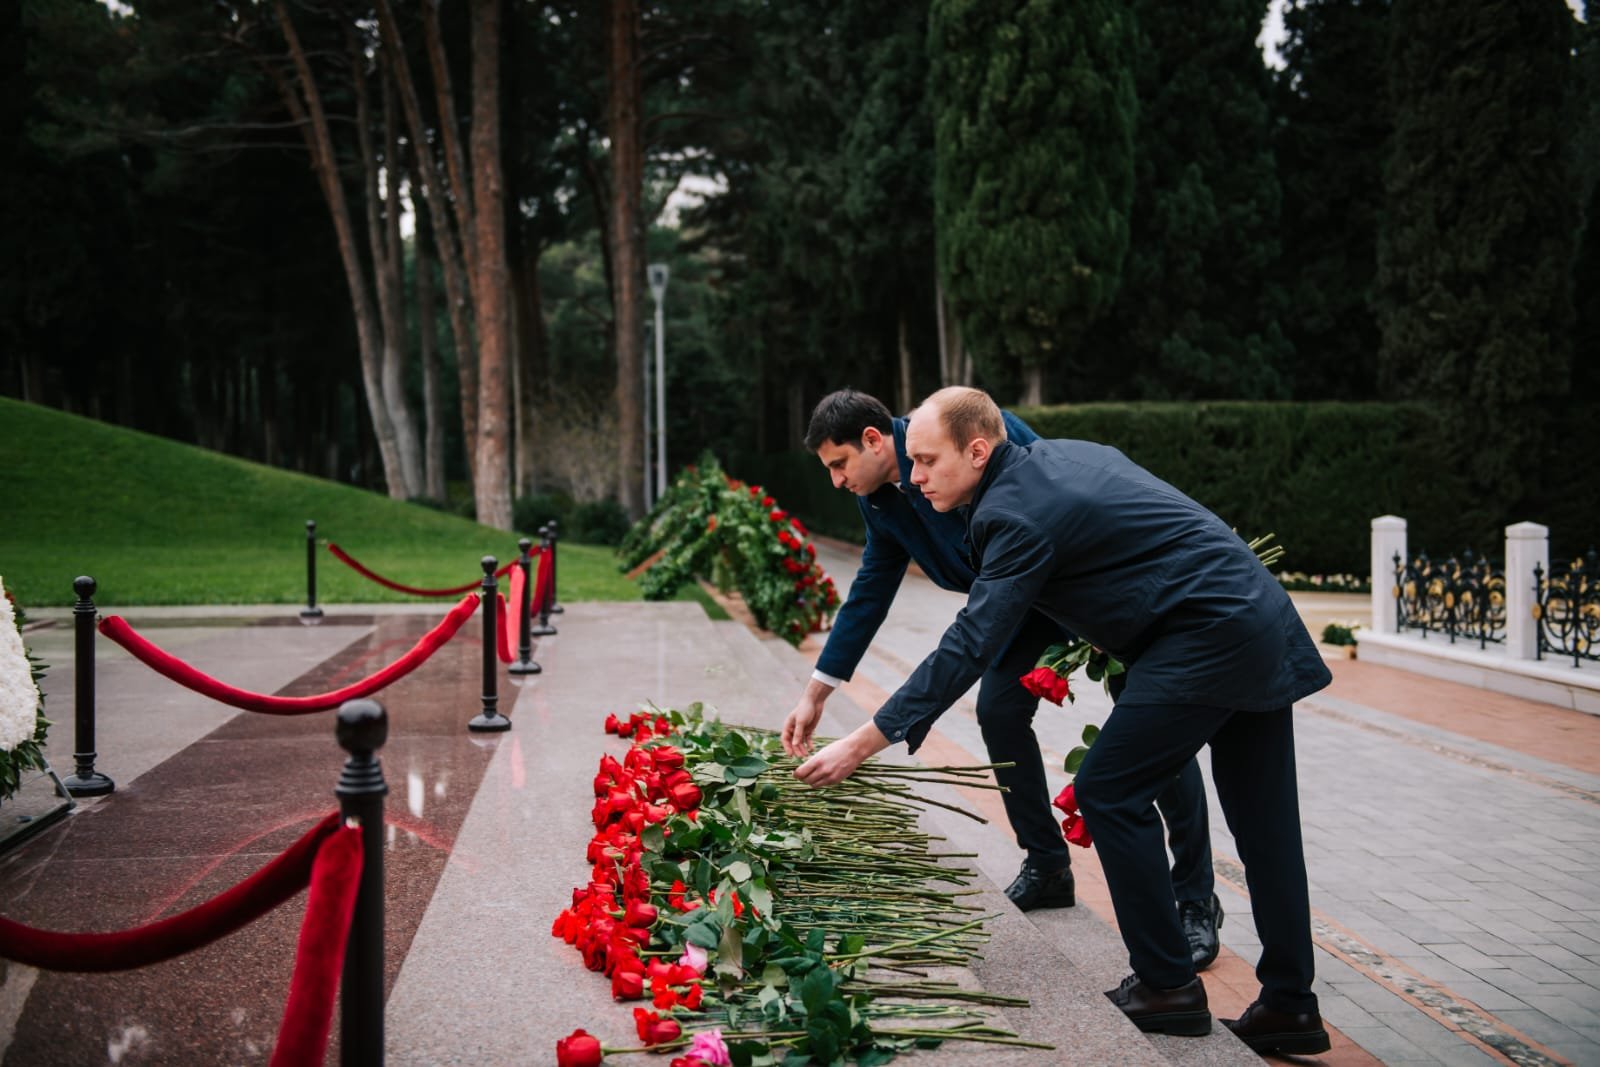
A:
(709, 525)
(22, 722)
(754, 920)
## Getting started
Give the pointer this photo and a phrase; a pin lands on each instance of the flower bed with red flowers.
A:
(741, 911)
(712, 526)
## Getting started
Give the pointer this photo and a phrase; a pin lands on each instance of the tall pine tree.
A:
(1034, 112)
(1480, 216)
(1199, 310)
(1332, 130)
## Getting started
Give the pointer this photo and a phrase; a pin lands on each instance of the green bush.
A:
(597, 522)
(528, 513)
(1314, 474)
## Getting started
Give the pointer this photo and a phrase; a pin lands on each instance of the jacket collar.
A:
(999, 458)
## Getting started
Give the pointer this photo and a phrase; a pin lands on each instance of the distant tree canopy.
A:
(1053, 200)
(1476, 245)
(1034, 118)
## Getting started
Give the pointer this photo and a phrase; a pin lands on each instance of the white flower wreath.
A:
(19, 696)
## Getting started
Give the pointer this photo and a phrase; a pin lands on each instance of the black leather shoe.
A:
(1201, 920)
(1034, 888)
(1181, 1011)
(1265, 1030)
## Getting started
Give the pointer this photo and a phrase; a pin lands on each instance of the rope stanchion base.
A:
(488, 724)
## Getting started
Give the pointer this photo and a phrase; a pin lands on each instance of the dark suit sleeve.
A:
(1017, 560)
(883, 565)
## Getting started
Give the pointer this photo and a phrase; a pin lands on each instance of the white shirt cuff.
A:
(826, 679)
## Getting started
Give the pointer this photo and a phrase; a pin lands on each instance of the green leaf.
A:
(875, 1057)
(761, 897)
(749, 766)
(709, 772)
(730, 954)
(742, 804)
(816, 990)
(739, 871)
(1075, 759)
(1090, 732)
(653, 838)
(706, 933)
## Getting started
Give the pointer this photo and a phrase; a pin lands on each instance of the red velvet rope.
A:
(319, 957)
(502, 630)
(514, 597)
(141, 946)
(163, 662)
(412, 590)
(541, 581)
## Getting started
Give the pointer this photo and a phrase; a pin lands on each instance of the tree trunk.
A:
(625, 126)
(1032, 385)
(383, 236)
(907, 396)
(492, 487)
(532, 376)
(955, 362)
(306, 105)
(432, 400)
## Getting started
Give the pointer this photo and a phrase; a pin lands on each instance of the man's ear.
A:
(978, 449)
(872, 438)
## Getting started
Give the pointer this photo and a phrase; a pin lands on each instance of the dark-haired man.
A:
(1217, 656)
(863, 447)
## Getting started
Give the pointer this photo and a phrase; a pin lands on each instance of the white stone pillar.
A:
(1388, 538)
(1527, 544)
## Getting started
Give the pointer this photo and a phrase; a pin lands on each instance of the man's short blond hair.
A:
(968, 413)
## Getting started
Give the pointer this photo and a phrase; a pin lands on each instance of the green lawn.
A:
(157, 522)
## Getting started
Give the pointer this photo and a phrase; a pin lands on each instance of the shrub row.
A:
(1315, 474)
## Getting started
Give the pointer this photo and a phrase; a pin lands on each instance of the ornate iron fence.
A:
(1567, 607)
(1463, 598)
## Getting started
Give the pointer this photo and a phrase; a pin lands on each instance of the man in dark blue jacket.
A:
(863, 448)
(1216, 655)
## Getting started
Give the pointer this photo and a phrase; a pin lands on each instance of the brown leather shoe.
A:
(1265, 1030)
(1181, 1011)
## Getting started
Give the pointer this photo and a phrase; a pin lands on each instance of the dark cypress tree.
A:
(1586, 275)
(1198, 314)
(1333, 127)
(1034, 110)
(1476, 249)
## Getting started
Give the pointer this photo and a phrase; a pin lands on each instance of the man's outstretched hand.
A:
(839, 760)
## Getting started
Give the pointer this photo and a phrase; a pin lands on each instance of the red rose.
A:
(627, 985)
(639, 913)
(653, 1029)
(1076, 831)
(688, 1061)
(1044, 682)
(578, 1049)
(685, 796)
(1067, 799)
(612, 726)
(667, 757)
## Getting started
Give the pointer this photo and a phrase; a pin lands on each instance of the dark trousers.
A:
(1005, 716)
(1139, 749)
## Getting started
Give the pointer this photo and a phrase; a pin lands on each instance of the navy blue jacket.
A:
(1104, 548)
(901, 526)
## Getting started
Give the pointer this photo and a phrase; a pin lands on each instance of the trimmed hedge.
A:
(1315, 474)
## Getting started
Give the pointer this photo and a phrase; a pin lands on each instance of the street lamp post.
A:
(658, 289)
(649, 499)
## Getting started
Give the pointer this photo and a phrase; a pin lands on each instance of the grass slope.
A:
(158, 522)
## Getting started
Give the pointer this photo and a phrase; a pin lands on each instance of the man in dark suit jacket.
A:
(1216, 655)
(863, 448)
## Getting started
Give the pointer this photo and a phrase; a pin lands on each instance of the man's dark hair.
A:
(842, 418)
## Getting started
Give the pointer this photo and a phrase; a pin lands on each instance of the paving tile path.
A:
(1453, 847)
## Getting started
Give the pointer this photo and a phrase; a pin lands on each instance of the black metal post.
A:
(524, 663)
(362, 728)
(85, 780)
(311, 614)
(555, 535)
(1538, 609)
(547, 594)
(489, 719)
